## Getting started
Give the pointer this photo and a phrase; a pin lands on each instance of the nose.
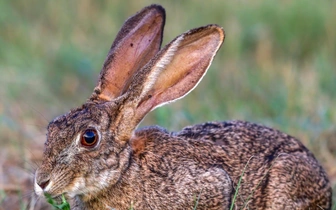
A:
(43, 183)
(42, 180)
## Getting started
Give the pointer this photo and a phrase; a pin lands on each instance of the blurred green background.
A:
(277, 67)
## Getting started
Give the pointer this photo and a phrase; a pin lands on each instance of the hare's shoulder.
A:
(157, 144)
(184, 167)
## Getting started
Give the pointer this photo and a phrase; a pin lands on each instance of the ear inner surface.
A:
(179, 72)
(195, 54)
(137, 42)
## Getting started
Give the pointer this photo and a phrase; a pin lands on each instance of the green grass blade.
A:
(248, 198)
(238, 185)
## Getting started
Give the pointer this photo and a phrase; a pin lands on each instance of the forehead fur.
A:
(65, 127)
(77, 117)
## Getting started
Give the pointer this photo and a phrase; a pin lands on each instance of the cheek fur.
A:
(77, 188)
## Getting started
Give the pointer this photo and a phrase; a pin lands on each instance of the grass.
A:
(238, 186)
(196, 200)
(276, 67)
(2, 196)
(64, 205)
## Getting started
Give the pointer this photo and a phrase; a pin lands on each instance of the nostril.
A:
(42, 179)
(43, 183)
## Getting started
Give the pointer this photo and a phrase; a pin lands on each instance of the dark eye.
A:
(89, 138)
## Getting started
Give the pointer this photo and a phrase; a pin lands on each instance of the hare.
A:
(95, 156)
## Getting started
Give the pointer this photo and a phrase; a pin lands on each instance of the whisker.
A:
(36, 202)
(33, 160)
(39, 113)
(32, 202)
(40, 126)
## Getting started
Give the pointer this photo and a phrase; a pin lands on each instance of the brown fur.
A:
(151, 168)
(138, 144)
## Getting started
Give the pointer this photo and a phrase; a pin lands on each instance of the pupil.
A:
(90, 137)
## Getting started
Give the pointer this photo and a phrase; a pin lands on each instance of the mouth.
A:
(54, 190)
(53, 197)
(56, 198)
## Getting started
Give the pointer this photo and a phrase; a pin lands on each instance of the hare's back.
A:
(242, 138)
(277, 167)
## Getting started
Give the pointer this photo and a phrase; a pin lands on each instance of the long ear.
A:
(175, 70)
(137, 42)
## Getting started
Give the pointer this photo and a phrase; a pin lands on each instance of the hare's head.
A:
(87, 149)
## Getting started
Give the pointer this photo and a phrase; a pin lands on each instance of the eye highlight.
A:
(89, 138)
